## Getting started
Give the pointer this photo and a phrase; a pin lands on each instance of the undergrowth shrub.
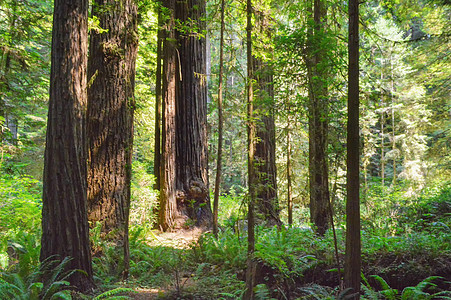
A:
(45, 281)
(20, 214)
(288, 251)
(144, 199)
(228, 249)
(424, 290)
(232, 206)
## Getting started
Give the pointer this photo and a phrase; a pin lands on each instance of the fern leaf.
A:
(65, 295)
(110, 293)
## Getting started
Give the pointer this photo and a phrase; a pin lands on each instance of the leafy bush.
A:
(21, 205)
(228, 250)
(287, 251)
(232, 208)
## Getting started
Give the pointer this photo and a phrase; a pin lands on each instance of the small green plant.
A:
(114, 294)
(417, 292)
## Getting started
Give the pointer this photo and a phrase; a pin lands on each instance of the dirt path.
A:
(181, 239)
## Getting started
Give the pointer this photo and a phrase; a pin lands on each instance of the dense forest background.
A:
(300, 83)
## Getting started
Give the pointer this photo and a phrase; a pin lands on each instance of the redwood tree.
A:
(111, 73)
(186, 195)
(168, 206)
(220, 124)
(318, 112)
(251, 134)
(65, 230)
(353, 248)
(265, 148)
(158, 100)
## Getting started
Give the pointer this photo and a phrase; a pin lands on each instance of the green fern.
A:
(46, 282)
(113, 294)
(418, 291)
(387, 292)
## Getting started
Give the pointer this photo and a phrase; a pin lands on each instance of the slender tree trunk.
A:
(65, 230)
(318, 122)
(158, 106)
(168, 206)
(220, 125)
(251, 134)
(353, 244)
(111, 73)
(4, 84)
(392, 91)
(382, 125)
(289, 187)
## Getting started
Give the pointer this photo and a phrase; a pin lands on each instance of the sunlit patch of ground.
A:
(142, 294)
(181, 239)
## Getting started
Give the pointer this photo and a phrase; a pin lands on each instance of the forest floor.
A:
(198, 278)
(180, 239)
(188, 279)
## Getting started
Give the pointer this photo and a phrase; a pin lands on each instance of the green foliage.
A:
(417, 292)
(261, 292)
(315, 291)
(232, 208)
(113, 294)
(144, 200)
(21, 205)
(20, 216)
(46, 281)
(228, 250)
(394, 211)
(285, 251)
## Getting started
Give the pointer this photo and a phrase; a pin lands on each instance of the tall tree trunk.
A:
(193, 199)
(353, 247)
(251, 135)
(220, 125)
(318, 122)
(392, 91)
(289, 187)
(382, 120)
(65, 230)
(158, 100)
(265, 148)
(168, 206)
(111, 73)
(185, 194)
(4, 84)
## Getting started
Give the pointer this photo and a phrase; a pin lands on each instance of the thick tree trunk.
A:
(184, 190)
(267, 204)
(353, 247)
(220, 125)
(65, 230)
(193, 199)
(265, 149)
(318, 122)
(111, 73)
(168, 206)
